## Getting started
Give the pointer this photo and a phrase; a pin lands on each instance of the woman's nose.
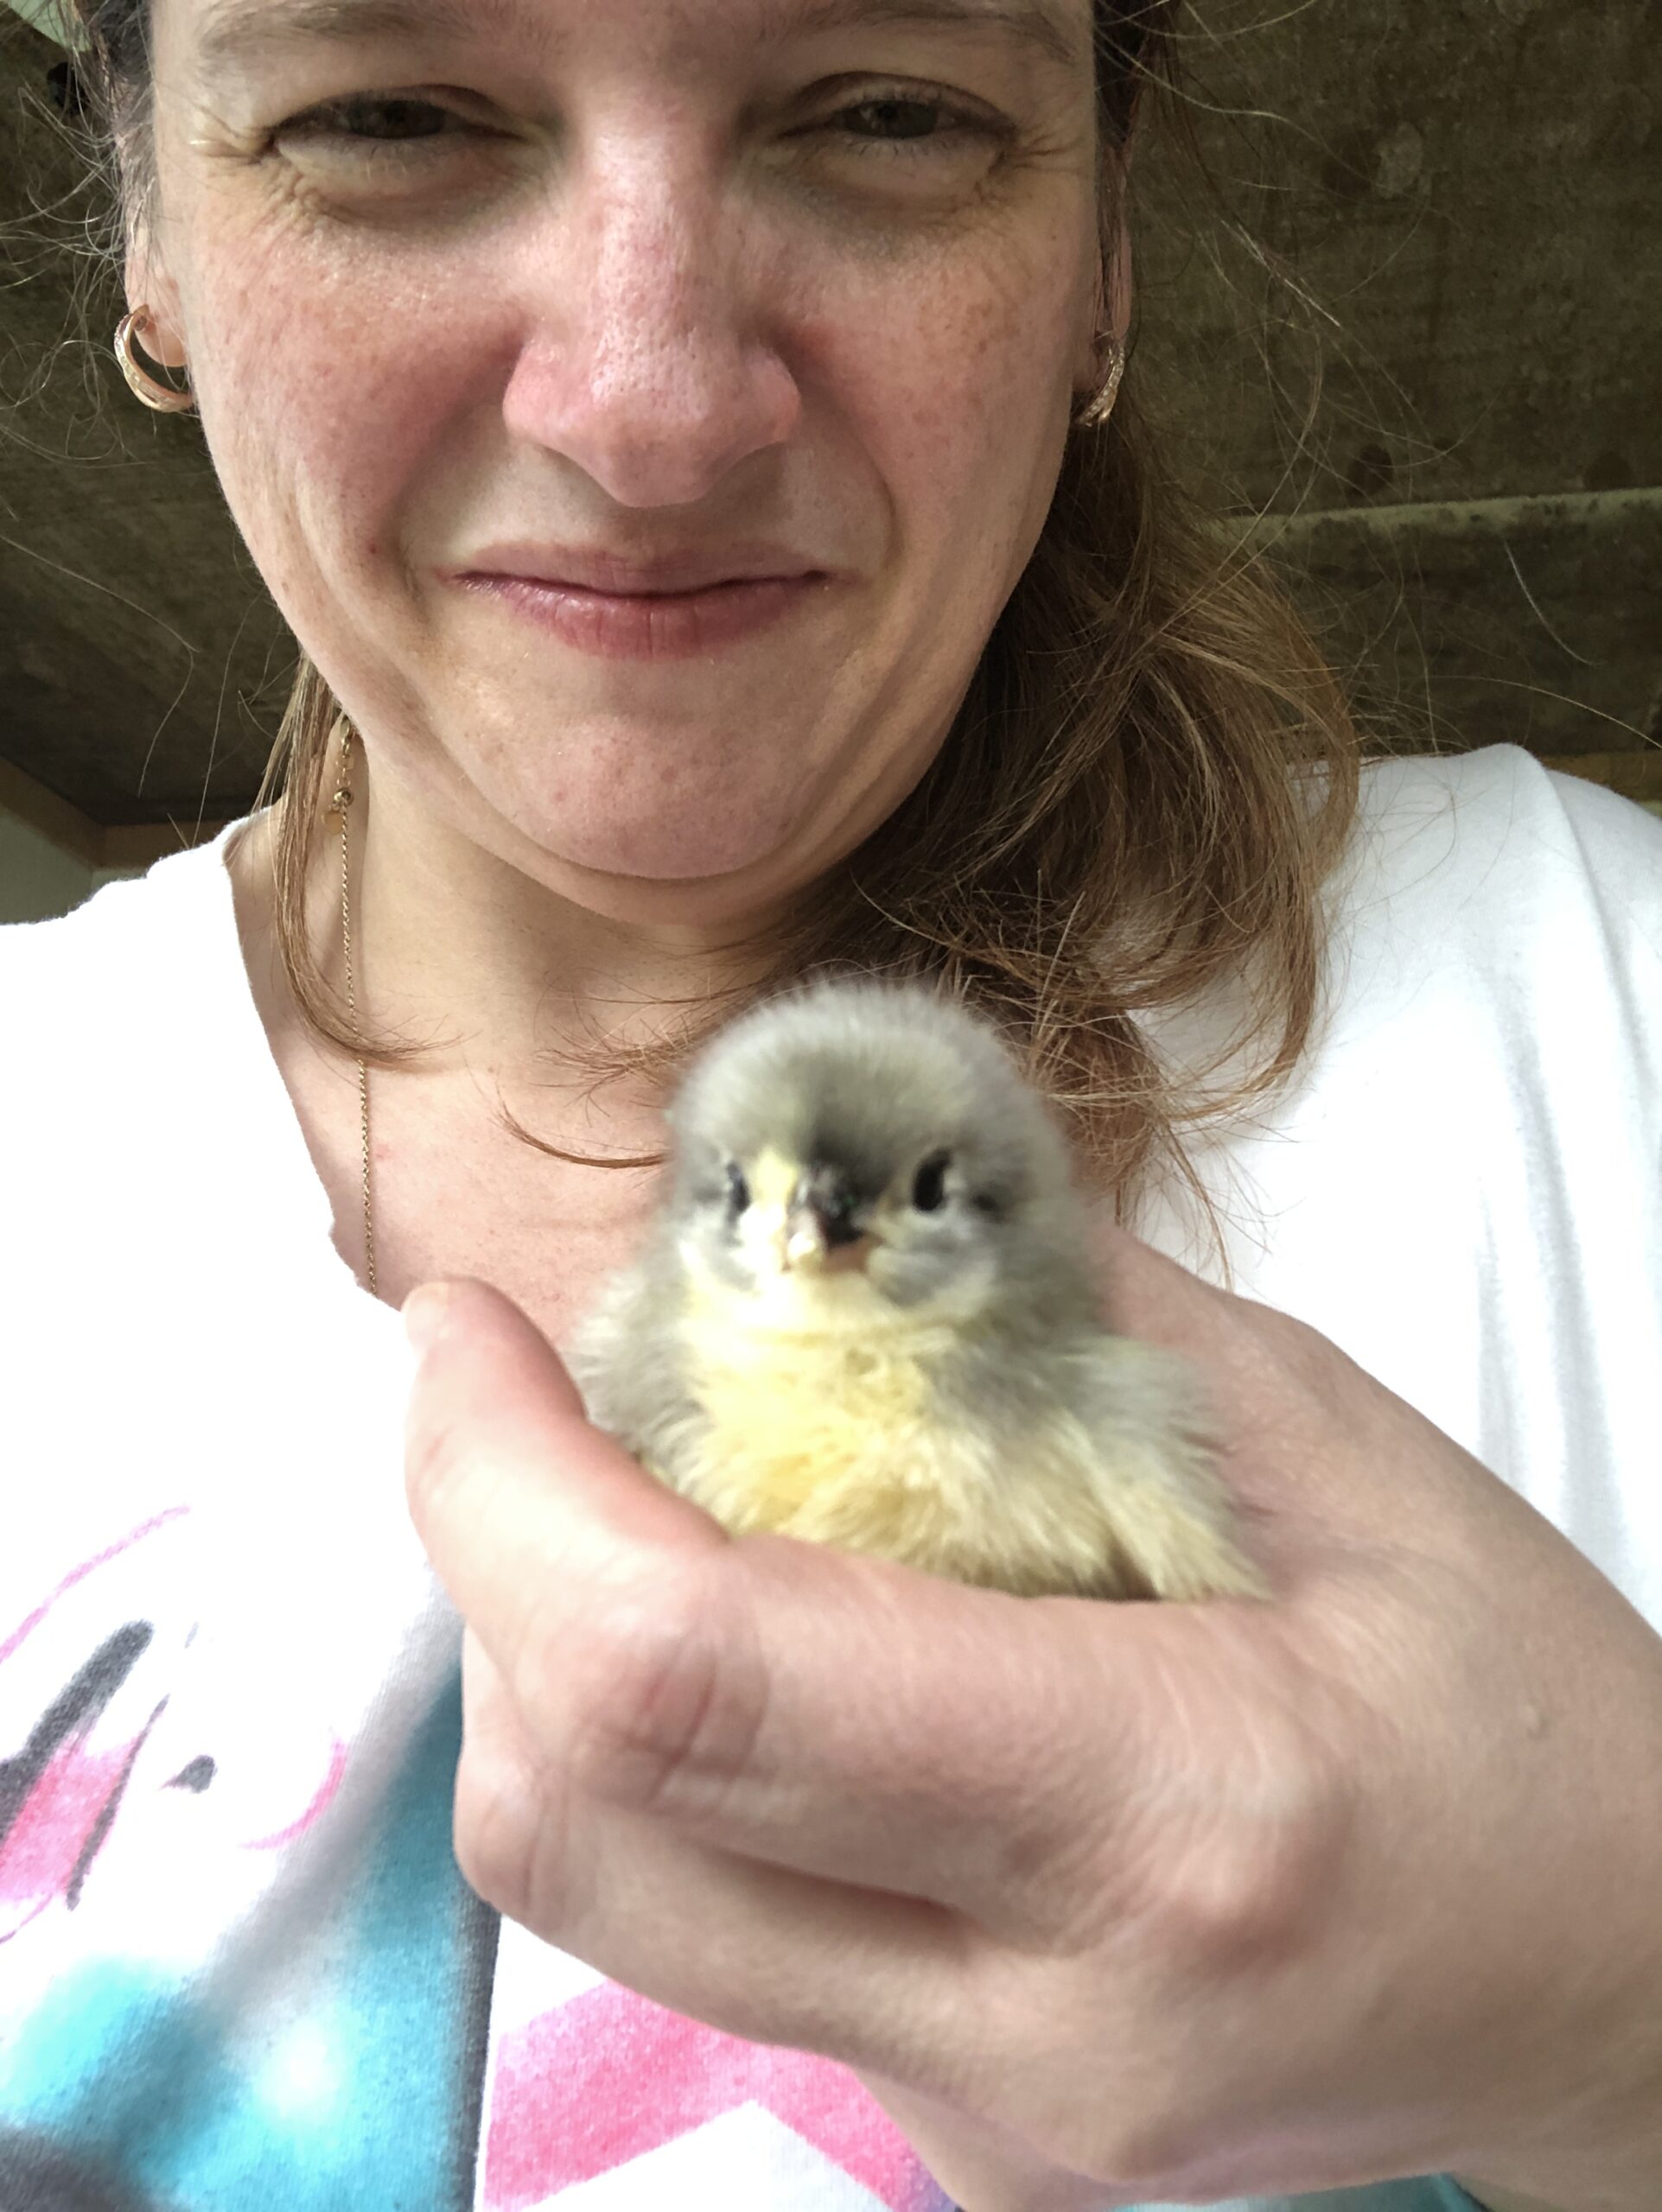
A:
(646, 365)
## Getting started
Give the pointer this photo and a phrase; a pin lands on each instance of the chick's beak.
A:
(819, 1230)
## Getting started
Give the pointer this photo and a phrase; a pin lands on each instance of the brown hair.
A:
(1115, 822)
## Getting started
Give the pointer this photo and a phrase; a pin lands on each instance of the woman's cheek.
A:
(961, 412)
(329, 387)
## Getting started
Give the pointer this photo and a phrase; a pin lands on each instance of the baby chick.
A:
(868, 1316)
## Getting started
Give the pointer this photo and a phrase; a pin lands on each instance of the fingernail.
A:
(423, 1313)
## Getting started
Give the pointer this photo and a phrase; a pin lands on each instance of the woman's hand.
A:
(1106, 1903)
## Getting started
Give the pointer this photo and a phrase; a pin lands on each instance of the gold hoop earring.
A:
(161, 399)
(1100, 406)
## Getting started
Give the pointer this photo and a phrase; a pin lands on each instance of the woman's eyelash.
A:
(415, 121)
(950, 124)
(335, 119)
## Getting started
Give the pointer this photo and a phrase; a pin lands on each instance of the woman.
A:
(687, 444)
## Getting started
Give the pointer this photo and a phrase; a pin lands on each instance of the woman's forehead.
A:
(1055, 32)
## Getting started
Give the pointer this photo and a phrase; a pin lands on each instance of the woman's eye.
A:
(381, 119)
(895, 118)
(909, 123)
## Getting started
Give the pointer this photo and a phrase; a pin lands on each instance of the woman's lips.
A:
(649, 626)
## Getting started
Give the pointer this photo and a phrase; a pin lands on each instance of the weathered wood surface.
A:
(1470, 192)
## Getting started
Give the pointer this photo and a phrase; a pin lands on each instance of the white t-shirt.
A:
(239, 1972)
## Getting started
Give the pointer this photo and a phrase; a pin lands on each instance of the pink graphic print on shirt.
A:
(61, 1791)
(610, 2077)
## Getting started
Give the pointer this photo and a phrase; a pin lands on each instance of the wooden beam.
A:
(61, 825)
(98, 845)
(1635, 775)
(136, 844)
(1450, 516)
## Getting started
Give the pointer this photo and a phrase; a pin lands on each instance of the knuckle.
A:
(1145, 2154)
(1244, 1893)
(518, 1847)
(1131, 2150)
(1009, 2109)
(667, 1700)
(1224, 1905)
(1135, 2143)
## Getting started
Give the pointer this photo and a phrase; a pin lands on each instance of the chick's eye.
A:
(738, 1191)
(929, 1188)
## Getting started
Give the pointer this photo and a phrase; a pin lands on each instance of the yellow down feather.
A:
(823, 1422)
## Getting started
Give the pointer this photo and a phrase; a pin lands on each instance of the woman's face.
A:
(620, 298)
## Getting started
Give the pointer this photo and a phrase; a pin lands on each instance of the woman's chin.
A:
(712, 857)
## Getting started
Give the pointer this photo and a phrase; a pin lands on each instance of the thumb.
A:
(509, 1484)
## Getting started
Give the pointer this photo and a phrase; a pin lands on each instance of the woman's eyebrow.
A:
(237, 31)
(1047, 28)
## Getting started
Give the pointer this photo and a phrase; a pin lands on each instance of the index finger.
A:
(838, 1715)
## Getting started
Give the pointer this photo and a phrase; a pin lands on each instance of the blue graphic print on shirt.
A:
(127, 2089)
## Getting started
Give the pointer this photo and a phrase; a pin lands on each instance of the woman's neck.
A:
(518, 1000)
(489, 967)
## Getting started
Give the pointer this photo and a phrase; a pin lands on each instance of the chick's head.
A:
(859, 1146)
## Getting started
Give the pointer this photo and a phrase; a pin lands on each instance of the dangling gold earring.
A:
(1100, 406)
(163, 398)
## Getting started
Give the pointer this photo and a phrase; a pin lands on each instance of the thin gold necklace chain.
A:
(342, 805)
